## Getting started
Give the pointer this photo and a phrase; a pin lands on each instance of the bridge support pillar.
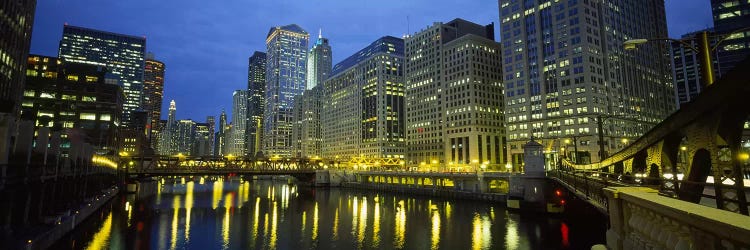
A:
(322, 178)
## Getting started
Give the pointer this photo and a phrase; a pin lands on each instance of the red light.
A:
(562, 202)
(558, 193)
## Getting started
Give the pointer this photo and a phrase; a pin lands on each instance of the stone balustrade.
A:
(642, 219)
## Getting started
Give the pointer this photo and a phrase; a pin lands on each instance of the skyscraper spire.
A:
(320, 33)
(172, 105)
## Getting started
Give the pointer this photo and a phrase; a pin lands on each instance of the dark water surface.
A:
(219, 213)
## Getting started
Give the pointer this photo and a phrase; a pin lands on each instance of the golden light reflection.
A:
(448, 211)
(228, 199)
(355, 216)
(129, 208)
(304, 220)
(255, 219)
(400, 225)
(101, 238)
(336, 224)
(376, 224)
(218, 190)
(315, 223)
(476, 233)
(175, 222)
(188, 208)
(511, 234)
(362, 225)
(202, 181)
(435, 229)
(274, 224)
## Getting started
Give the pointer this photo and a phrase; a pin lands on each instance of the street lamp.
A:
(509, 166)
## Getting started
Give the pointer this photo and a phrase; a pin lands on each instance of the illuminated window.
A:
(87, 116)
(28, 93)
(49, 74)
(31, 72)
(27, 104)
(72, 78)
(68, 97)
(46, 95)
(88, 98)
(68, 124)
(91, 78)
(105, 117)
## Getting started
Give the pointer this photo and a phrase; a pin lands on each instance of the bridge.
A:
(699, 154)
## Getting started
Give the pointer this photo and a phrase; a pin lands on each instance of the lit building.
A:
(306, 134)
(686, 70)
(220, 135)
(454, 98)
(202, 143)
(256, 85)
(363, 109)
(14, 47)
(122, 54)
(185, 136)
(211, 121)
(239, 123)
(153, 89)
(564, 65)
(319, 62)
(73, 97)
(168, 134)
(286, 59)
(729, 17)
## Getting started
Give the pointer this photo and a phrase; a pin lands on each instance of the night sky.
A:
(206, 44)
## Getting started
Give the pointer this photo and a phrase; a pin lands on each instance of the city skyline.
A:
(193, 64)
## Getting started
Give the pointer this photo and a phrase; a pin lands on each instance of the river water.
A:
(230, 213)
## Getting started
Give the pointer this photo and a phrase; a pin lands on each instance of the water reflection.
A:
(217, 213)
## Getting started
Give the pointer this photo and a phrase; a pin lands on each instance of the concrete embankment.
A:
(68, 221)
(428, 191)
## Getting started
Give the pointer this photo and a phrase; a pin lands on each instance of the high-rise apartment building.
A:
(306, 134)
(14, 50)
(256, 85)
(363, 108)
(168, 135)
(239, 123)
(286, 60)
(731, 16)
(185, 136)
(122, 54)
(319, 62)
(202, 144)
(564, 65)
(211, 122)
(454, 97)
(153, 89)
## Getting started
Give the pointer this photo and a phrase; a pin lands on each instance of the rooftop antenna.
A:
(408, 31)
(320, 33)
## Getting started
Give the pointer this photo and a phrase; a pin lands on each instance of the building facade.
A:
(319, 62)
(202, 143)
(454, 105)
(306, 134)
(256, 85)
(220, 135)
(74, 98)
(14, 50)
(153, 89)
(211, 123)
(124, 55)
(239, 123)
(731, 16)
(286, 60)
(185, 136)
(564, 66)
(363, 112)
(686, 70)
(168, 134)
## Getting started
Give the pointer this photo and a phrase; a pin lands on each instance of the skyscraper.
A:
(168, 134)
(286, 59)
(14, 44)
(565, 65)
(729, 17)
(306, 134)
(220, 138)
(454, 102)
(363, 111)
(153, 89)
(686, 69)
(319, 62)
(122, 54)
(211, 122)
(239, 123)
(256, 85)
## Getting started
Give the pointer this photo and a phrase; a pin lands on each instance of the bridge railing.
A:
(590, 185)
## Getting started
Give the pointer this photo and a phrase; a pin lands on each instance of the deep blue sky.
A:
(205, 44)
